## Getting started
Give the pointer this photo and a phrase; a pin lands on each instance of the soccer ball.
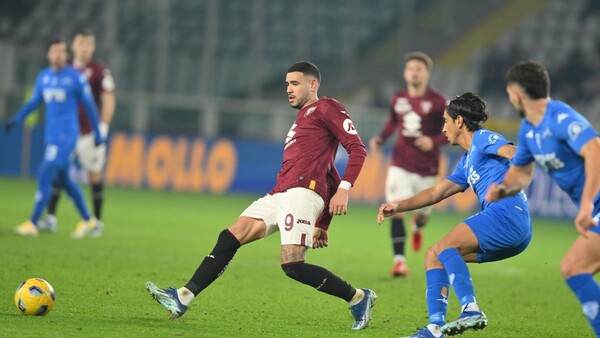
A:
(35, 297)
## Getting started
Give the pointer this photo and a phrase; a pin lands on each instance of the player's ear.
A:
(314, 84)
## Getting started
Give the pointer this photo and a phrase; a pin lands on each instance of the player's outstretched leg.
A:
(362, 311)
(468, 320)
(168, 299)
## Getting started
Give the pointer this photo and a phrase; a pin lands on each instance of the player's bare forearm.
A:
(591, 154)
(507, 151)
(515, 180)
(108, 107)
(427, 197)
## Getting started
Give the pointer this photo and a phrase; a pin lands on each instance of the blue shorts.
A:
(503, 229)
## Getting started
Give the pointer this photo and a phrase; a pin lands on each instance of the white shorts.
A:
(91, 157)
(293, 212)
(401, 184)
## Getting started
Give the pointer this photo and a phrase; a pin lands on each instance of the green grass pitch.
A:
(162, 236)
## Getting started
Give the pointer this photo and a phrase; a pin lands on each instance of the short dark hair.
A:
(471, 107)
(421, 56)
(532, 77)
(306, 68)
(56, 40)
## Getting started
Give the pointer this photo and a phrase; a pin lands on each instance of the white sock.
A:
(185, 296)
(471, 307)
(435, 330)
(358, 296)
(399, 258)
(51, 218)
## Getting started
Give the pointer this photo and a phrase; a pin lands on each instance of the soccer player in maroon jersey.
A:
(92, 158)
(417, 114)
(304, 184)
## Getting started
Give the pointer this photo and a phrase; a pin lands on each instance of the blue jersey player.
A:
(501, 230)
(567, 147)
(61, 88)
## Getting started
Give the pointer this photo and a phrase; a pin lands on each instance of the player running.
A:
(302, 188)
(62, 89)
(90, 156)
(567, 147)
(501, 230)
(417, 114)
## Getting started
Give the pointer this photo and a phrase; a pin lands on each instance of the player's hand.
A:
(425, 143)
(8, 125)
(495, 192)
(339, 202)
(375, 143)
(320, 238)
(386, 210)
(584, 221)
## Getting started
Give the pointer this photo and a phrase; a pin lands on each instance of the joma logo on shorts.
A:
(303, 221)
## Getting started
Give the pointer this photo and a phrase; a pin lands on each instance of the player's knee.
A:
(431, 259)
(247, 229)
(567, 267)
(293, 270)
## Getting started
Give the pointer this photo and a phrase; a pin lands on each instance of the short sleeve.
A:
(523, 155)
(458, 175)
(573, 128)
(489, 142)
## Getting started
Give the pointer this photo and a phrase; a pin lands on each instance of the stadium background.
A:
(200, 94)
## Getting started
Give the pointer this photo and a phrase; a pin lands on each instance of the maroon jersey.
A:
(101, 81)
(311, 145)
(333, 181)
(414, 117)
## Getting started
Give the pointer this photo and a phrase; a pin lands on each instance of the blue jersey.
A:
(555, 145)
(61, 91)
(482, 166)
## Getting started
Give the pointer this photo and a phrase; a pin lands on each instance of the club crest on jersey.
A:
(426, 106)
(309, 111)
(349, 127)
(575, 128)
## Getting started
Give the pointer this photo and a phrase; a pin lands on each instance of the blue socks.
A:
(588, 292)
(438, 286)
(458, 274)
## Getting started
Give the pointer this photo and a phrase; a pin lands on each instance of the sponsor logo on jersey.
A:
(549, 162)
(402, 106)
(574, 129)
(302, 221)
(54, 94)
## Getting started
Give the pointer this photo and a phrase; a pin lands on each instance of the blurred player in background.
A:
(501, 230)
(416, 113)
(91, 158)
(62, 89)
(567, 147)
(304, 184)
